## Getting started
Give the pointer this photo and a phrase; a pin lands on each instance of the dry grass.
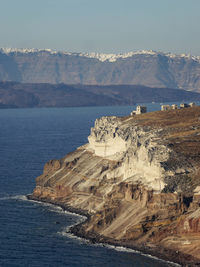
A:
(182, 128)
(176, 118)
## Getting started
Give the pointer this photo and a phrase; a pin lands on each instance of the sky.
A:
(104, 26)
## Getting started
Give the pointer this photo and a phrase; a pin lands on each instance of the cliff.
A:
(148, 68)
(138, 179)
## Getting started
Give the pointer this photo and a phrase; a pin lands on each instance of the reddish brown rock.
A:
(143, 193)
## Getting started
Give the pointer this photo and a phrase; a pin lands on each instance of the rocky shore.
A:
(137, 181)
(173, 257)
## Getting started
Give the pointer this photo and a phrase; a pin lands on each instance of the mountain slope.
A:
(13, 94)
(144, 68)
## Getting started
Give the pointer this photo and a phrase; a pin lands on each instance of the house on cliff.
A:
(174, 106)
(192, 104)
(165, 107)
(184, 105)
(139, 110)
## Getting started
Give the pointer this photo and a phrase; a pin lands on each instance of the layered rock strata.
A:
(148, 68)
(138, 180)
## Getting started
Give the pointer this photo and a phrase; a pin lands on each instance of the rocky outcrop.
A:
(138, 179)
(138, 151)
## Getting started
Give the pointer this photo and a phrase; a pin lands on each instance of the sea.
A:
(34, 233)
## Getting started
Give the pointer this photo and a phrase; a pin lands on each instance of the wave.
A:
(129, 250)
(51, 207)
(67, 233)
(16, 197)
(58, 209)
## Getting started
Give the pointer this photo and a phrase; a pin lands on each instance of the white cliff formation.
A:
(138, 179)
(136, 147)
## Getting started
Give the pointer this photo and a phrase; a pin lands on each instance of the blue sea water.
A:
(30, 234)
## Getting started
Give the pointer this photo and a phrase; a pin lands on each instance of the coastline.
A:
(136, 181)
(175, 258)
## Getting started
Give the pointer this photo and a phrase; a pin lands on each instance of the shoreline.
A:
(161, 254)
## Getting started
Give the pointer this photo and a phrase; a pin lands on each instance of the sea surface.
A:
(32, 233)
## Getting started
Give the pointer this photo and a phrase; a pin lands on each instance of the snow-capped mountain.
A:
(149, 68)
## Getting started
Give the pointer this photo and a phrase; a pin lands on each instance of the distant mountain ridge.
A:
(148, 68)
(22, 95)
(111, 57)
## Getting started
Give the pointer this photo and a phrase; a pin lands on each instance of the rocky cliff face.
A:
(140, 68)
(138, 179)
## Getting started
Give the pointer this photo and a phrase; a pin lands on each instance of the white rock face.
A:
(135, 147)
(109, 147)
(104, 138)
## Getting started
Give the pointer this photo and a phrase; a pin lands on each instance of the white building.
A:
(165, 107)
(184, 105)
(192, 104)
(139, 110)
(174, 106)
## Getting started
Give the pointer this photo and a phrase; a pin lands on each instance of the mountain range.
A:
(146, 68)
(21, 95)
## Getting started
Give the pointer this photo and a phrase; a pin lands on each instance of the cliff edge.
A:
(138, 179)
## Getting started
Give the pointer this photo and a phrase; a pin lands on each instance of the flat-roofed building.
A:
(139, 110)
(174, 106)
(184, 105)
(165, 107)
(192, 104)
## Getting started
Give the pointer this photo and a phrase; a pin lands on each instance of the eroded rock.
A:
(138, 179)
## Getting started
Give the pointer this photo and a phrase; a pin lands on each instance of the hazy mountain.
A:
(14, 94)
(147, 68)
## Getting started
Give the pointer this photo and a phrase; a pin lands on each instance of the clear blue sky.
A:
(101, 25)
